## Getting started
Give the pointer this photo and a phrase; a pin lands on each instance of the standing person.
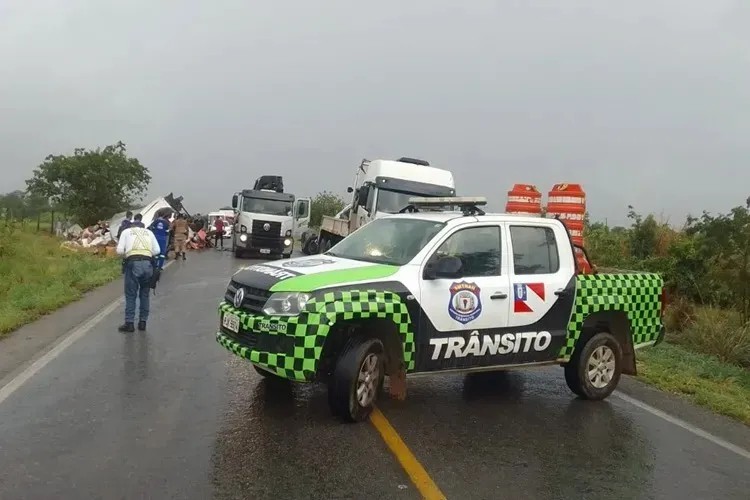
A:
(139, 247)
(137, 221)
(160, 228)
(219, 236)
(126, 223)
(181, 231)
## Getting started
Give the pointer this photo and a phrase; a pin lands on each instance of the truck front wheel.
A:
(594, 370)
(357, 377)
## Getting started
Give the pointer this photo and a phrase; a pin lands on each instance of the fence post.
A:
(52, 223)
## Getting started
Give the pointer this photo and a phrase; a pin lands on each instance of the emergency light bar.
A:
(440, 201)
(468, 205)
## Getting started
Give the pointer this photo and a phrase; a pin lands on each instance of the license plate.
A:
(231, 322)
(265, 250)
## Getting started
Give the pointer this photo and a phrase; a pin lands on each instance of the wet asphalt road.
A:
(171, 414)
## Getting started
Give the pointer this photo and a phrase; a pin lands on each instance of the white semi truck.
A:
(267, 221)
(383, 187)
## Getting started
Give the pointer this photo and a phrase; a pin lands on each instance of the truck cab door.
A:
(237, 208)
(542, 275)
(465, 308)
(301, 217)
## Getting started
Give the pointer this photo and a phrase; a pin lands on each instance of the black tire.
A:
(238, 253)
(322, 245)
(287, 256)
(342, 386)
(312, 246)
(577, 369)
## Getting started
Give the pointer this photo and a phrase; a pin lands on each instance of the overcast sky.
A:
(642, 102)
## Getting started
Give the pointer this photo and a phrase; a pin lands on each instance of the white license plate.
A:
(265, 250)
(231, 322)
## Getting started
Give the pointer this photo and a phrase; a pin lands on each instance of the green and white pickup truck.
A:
(432, 291)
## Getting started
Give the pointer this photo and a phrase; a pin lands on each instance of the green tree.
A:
(724, 249)
(324, 203)
(12, 205)
(643, 235)
(91, 184)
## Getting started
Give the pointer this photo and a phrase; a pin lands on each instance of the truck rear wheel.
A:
(357, 378)
(594, 370)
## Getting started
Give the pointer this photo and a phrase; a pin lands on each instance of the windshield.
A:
(387, 241)
(268, 207)
(392, 201)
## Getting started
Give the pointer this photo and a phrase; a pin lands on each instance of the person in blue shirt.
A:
(126, 223)
(160, 228)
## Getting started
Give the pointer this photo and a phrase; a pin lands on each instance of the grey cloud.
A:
(641, 102)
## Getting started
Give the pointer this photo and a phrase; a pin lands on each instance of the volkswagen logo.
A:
(266, 227)
(239, 297)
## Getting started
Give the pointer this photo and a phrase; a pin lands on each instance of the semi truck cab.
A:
(384, 187)
(267, 222)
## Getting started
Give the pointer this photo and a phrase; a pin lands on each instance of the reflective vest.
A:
(141, 242)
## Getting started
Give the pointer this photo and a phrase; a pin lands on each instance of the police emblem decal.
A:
(465, 302)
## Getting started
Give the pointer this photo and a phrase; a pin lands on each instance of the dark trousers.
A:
(162, 251)
(137, 286)
(219, 239)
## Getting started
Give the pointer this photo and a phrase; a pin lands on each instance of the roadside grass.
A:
(37, 276)
(705, 358)
(701, 378)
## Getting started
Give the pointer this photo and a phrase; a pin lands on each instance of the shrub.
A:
(679, 315)
(719, 333)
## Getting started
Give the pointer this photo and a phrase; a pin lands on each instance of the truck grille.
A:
(274, 229)
(255, 298)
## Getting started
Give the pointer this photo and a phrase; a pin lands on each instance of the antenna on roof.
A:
(469, 205)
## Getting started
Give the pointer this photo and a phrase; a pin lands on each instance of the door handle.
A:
(499, 295)
(561, 292)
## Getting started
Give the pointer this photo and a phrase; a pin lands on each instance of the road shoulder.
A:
(723, 427)
(20, 347)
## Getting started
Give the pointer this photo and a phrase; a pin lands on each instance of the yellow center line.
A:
(406, 458)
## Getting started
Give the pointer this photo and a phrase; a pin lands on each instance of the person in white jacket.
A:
(139, 247)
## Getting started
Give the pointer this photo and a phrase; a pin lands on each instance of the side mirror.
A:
(444, 267)
(234, 201)
(300, 210)
(350, 189)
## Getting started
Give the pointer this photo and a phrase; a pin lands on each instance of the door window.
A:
(534, 250)
(477, 247)
(303, 209)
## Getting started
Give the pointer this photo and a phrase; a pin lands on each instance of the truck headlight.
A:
(286, 304)
(287, 242)
(243, 237)
(288, 233)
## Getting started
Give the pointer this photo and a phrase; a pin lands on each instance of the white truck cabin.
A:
(384, 187)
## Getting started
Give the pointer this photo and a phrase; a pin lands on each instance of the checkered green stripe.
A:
(311, 328)
(637, 294)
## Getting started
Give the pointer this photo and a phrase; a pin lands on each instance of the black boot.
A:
(126, 328)
(141, 326)
(183, 256)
